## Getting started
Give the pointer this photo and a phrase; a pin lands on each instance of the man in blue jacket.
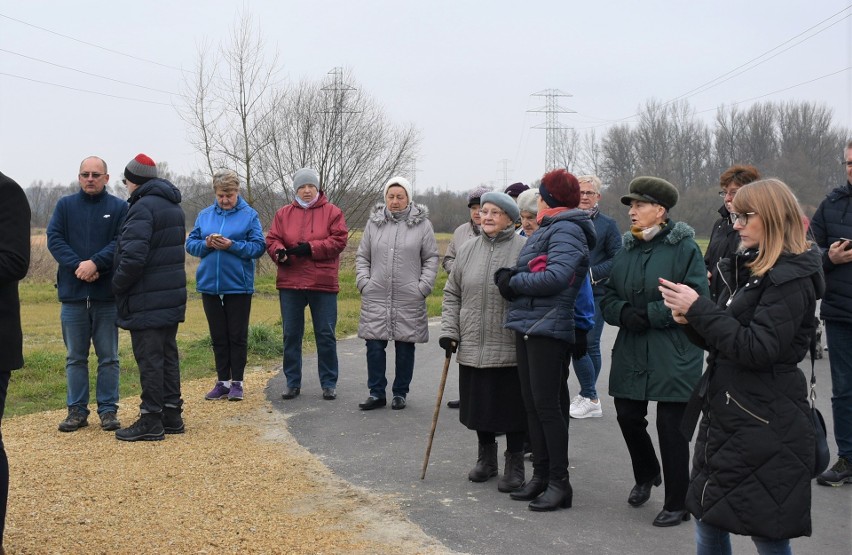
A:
(81, 237)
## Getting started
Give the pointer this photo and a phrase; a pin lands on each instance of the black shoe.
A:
(172, 421)
(533, 489)
(329, 394)
(837, 475)
(486, 463)
(559, 494)
(671, 518)
(109, 422)
(513, 473)
(642, 492)
(291, 393)
(76, 419)
(398, 403)
(149, 427)
(372, 403)
(454, 404)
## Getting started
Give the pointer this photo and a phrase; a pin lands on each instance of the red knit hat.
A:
(140, 170)
(560, 188)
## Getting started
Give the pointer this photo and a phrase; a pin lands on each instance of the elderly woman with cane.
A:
(472, 322)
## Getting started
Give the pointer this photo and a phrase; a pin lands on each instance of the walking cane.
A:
(435, 416)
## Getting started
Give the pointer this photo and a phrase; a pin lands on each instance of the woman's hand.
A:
(679, 298)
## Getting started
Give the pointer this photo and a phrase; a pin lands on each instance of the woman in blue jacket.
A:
(227, 237)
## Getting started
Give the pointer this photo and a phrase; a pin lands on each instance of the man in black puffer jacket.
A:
(150, 290)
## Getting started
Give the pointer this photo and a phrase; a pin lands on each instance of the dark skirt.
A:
(491, 399)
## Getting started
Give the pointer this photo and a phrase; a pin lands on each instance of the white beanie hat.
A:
(402, 182)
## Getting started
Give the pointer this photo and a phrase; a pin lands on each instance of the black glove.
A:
(449, 345)
(302, 249)
(281, 255)
(501, 279)
(581, 344)
(634, 319)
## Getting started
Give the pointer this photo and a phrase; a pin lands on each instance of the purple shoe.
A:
(236, 393)
(219, 392)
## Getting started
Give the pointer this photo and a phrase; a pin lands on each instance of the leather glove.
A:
(581, 344)
(302, 249)
(281, 255)
(634, 319)
(501, 279)
(449, 345)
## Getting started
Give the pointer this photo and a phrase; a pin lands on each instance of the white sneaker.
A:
(576, 401)
(585, 408)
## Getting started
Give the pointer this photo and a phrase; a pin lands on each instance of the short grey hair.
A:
(593, 179)
(226, 181)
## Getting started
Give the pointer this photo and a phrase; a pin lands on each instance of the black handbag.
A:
(821, 455)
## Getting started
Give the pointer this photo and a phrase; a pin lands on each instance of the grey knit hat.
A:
(305, 176)
(502, 201)
(528, 201)
(140, 170)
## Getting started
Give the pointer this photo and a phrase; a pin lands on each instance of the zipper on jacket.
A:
(730, 398)
(483, 304)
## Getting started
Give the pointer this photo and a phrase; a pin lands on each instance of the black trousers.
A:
(156, 355)
(674, 447)
(540, 369)
(228, 320)
(4, 462)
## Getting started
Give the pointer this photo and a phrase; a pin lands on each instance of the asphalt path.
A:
(383, 450)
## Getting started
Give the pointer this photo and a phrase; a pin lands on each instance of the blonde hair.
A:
(593, 179)
(782, 217)
(226, 181)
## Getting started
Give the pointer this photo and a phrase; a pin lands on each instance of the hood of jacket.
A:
(579, 217)
(156, 187)
(674, 233)
(796, 266)
(417, 214)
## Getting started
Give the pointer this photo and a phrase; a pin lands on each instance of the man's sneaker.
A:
(75, 420)
(109, 421)
(236, 393)
(149, 427)
(576, 400)
(837, 475)
(586, 409)
(219, 391)
(172, 422)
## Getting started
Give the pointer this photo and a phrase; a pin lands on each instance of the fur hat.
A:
(528, 201)
(504, 202)
(651, 189)
(140, 170)
(560, 188)
(516, 189)
(402, 182)
(474, 196)
(305, 176)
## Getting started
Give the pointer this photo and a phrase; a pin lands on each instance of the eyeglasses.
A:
(731, 194)
(588, 193)
(495, 213)
(741, 218)
(94, 175)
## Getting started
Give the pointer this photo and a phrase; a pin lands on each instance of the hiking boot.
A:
(586, 408)
(76, 419)
(149, 427)
(172, 421)
(837, 475)
(109, 421)
(236, 393)
(219, 391)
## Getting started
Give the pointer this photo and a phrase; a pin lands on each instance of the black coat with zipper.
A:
(754, 451)
(724, 241)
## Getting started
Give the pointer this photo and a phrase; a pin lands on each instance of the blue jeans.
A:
(588, 368)
(377, 366)
(82, 327)
(710, 540)
(324, 315)
(839, 336)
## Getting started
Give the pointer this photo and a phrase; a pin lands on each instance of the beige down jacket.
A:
(395, 268)
(474, 312)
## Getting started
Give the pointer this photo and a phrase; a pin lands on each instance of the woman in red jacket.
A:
(305, 240)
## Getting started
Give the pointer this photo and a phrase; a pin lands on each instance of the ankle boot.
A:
(559, 494)
(172, 421)
(486, 463)
(513, 473)
(531, 490)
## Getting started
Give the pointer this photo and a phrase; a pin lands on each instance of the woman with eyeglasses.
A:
(754, 452)
(472, 320)
(652, 360)
(724, 239)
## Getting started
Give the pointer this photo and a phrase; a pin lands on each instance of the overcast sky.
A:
(461, 72)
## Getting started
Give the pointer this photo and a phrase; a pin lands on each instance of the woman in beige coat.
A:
(396, 265)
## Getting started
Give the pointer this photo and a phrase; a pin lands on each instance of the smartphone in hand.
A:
(848, 243)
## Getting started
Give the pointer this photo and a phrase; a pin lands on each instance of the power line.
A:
(85, 90)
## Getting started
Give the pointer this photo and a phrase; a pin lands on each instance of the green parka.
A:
(659, 364)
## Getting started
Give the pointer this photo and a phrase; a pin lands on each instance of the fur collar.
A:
(677, 232)
(418, 213)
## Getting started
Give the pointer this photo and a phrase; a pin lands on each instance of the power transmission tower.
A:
(551, 124)
(337, 89)
(504, 171)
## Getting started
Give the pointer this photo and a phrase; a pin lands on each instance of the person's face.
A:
(528, 222)
(848, 166)
(493, 219)
(130, 186)
(93, 177)
(645, 214)
(751, 231)
(307, 193)
(588, 196)
(396, 199)
(730, 191)
(474, 214)
(227, 200)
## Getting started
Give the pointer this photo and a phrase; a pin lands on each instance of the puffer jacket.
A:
(600, 257)
(149, 280)
(545, 302)
(461, 235)
(395, 268)
(659, 364)
(473, 311)
(724, 241)
(833, 220)
(751, 472)
(323, 227)
(226, 272)
(14, 264)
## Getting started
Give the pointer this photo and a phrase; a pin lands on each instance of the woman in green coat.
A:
(652, 359)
